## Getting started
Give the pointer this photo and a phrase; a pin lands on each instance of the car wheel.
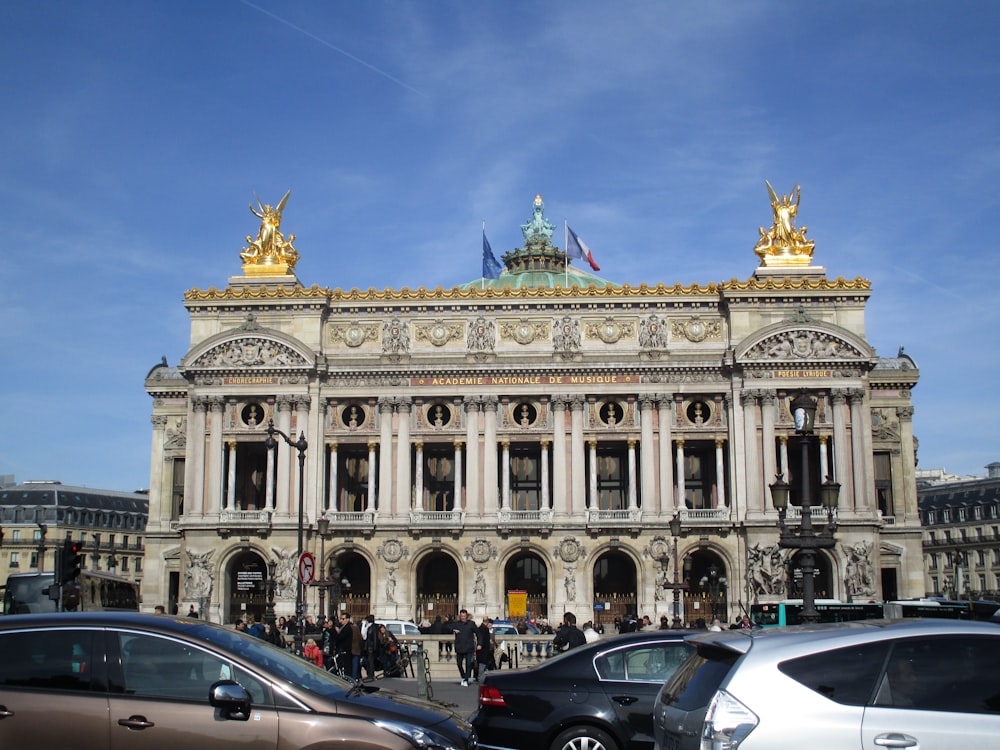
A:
(583, 738)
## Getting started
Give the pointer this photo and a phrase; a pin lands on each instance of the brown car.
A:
(102, 681)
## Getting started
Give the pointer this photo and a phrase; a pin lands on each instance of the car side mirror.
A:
(231, 698)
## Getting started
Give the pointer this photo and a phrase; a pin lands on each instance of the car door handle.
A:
(625, 700)
(4, 713)
(895, 740)
(136, 722)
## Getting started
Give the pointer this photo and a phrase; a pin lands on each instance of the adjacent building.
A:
(961, 518)
(523, 441)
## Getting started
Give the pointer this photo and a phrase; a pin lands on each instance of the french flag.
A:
(577, 248)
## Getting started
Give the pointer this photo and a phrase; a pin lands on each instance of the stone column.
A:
(418, 478)
(473, 478)
(751, 451)
(194, 467)
(458, 501)
(647, 456)
(633, 496)
(841, 454)
(824, 462)
(213, 505)
(668, 506)
(370, 502)
(333, 494)
(864, 481)
(578, 496)
(283, 503)
(783, 445)
(505, 479)
(490, 485)
(593, 501)
(720, 472)
(768, 412)
(157, 478)
(385, 410)
(544, 450)
(681, 488)
(560, 494)
(404, 487)
(909, 460)
(231, 477)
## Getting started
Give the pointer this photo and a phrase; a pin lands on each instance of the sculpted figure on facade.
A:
(198, 576)
(652, 333)
(566, 336)
(765, 570)
(570, 583)
(284, 573)
(390, 585)
(270, 247)
(479, 587)
(482, 335)
(395, 337)
(858, 575)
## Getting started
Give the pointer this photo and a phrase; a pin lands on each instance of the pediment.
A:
(802, 342)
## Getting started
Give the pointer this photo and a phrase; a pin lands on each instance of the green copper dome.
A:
(540, 264)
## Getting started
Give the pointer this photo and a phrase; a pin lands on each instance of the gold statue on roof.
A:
(270, 254)
(784, 244)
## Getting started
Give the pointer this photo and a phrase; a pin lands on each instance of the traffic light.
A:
(71, 561)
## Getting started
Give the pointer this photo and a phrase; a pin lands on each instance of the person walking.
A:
(466, 640)
(343, 643)
(569, 635)
(484, 648)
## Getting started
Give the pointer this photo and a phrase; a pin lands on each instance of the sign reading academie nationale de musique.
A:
(527, 380)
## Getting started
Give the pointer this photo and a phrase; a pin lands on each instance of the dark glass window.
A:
(694, 683)
(943, 674)
(845, 675)
(47, 659)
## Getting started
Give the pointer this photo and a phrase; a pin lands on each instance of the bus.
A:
(92, 591)
(788, 612)
(832, 610)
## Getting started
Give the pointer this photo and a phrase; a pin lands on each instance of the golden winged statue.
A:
(270, 254)
(784, 244)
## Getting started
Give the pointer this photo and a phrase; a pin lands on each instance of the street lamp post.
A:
(677, 586)
(300, 445)
(715, 585)
(97, 551)
(806, 539)
(112, 559)
(323, 527)
(269, 618)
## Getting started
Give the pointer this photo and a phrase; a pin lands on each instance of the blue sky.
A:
(135, 133)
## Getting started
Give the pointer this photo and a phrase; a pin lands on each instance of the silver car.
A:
(927, 684)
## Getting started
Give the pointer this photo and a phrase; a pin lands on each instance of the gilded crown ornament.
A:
(784, 244)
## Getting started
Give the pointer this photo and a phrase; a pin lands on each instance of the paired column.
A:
(666, 463)
(333, 492)
(457, 501)
(578, 495)
(418, 478)
(647, 455)
(473, 481)
(194, 467)
(490, 457)
(560, 496)
(385, 458)
(404, 491)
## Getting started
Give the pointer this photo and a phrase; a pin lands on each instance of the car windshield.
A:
(276, 660)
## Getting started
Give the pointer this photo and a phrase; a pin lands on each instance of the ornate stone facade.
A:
(534, 433)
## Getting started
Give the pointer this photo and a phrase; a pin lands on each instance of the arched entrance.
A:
(708, 587)
(615, 586)
(437, 587)
(527, 572)
(246, 577)
(823, 580)
(348, 586)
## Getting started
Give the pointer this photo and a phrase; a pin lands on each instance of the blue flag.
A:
(491, 266)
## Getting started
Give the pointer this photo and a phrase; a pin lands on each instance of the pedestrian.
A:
(357, 647)
(371, 645)
(343, 643)
(466, 638)
(256, 628)
(484, 648)
(569, 635)
(313, 653)
(159, 609)
(192, 612)
(589, 633)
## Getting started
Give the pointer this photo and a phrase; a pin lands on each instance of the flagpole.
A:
(483, 282)
(566, 248)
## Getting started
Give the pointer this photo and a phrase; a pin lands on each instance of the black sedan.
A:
(598, 696)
